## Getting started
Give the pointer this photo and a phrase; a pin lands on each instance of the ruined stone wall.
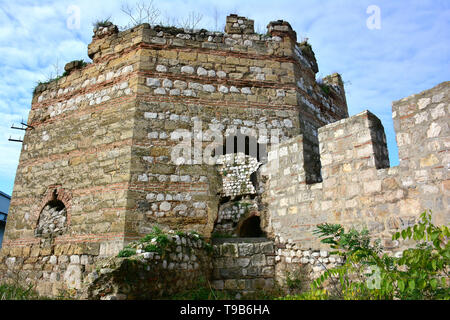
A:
(244, 265)
(359, 189)
(295, 262)
(232, 214)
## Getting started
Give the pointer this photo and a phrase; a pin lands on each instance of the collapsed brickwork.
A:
(131, 140)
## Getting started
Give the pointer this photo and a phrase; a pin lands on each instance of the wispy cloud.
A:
(410, 52)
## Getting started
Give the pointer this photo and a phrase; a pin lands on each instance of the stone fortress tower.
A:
(121, 144)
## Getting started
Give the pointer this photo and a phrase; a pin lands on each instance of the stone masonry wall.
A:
(232, 214)
(102, 141)
(358, 188)
(296, 262)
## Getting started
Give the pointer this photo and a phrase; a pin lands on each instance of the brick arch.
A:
(53, 193)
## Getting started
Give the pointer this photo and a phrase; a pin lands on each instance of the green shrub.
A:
(180, 233)
(310, 295)
(420, 274)
(325, 89)
(294, 280)
(196, 234)
(153, 248)
(152, 235)
(160, 242)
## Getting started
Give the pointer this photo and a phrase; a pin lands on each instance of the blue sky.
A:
(408, 54)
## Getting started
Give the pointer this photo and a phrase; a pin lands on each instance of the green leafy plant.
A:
(209, 248)
(160, 242)
(295, 280)
(157, 232)
(424, 269)
(180, 233)
(319, 294)
(421, 273)
(16, 287)
(325, 89)
(196, 234)
(156, 241)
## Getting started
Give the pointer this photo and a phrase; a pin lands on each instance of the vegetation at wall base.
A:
(421, 273)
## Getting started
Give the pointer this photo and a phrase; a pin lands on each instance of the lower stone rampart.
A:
(243, 265)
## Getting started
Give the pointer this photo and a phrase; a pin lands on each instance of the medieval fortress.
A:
(221, 133)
